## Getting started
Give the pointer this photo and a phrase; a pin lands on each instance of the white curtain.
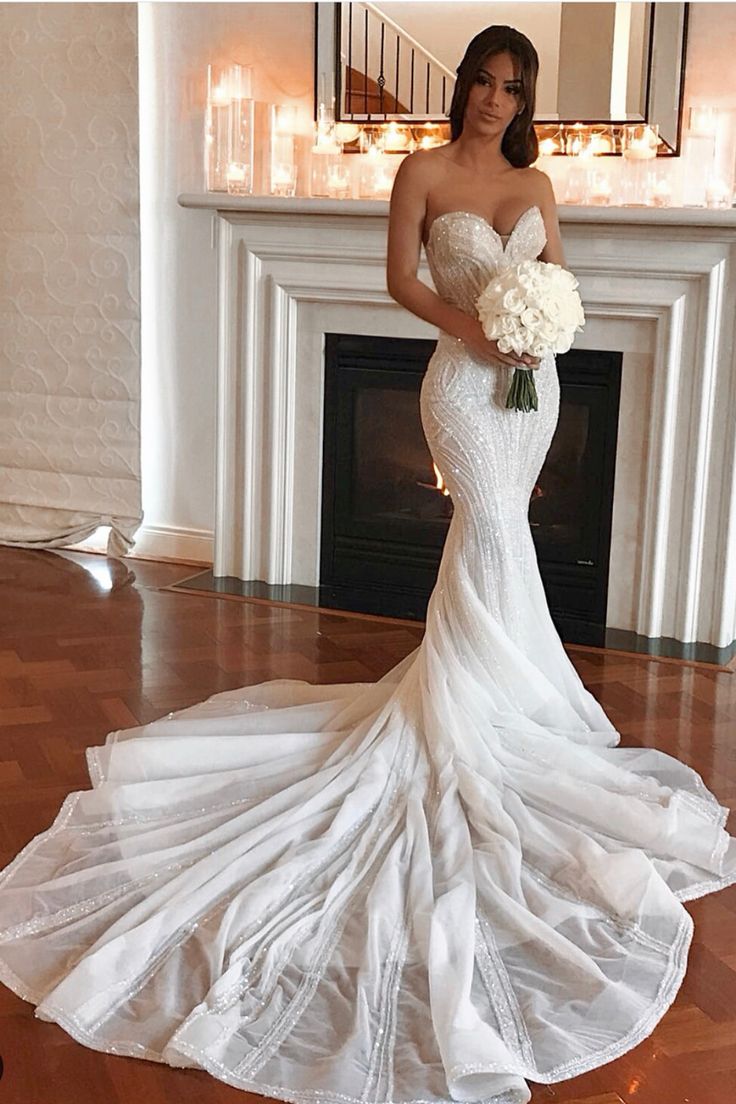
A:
(70, 266)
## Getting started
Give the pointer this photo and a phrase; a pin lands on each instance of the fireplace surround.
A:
(658, 286)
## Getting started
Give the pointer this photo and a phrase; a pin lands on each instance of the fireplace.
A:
(385, 513)
(658, 287)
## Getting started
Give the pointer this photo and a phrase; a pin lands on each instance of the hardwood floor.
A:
(88, 645)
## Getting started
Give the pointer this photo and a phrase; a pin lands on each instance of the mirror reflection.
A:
(599, 62)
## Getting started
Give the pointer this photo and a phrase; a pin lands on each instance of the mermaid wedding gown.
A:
(422, 890)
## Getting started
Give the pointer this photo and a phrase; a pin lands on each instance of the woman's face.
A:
(495, 95)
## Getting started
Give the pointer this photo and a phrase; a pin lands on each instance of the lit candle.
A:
(220, 96)
(430, 137)
(396, 137)
(574, 140)
(382, 184)
(600, 143)
(661, 194)
(237, 180)
(600, 191)
(717, 194)
(346, 132)
(639, 150)
(548, 146)
(283, 179)
(338, 182)
(639, 143)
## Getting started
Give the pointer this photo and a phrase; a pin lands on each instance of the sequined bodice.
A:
(464, 251)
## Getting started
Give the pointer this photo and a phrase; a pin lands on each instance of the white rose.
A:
(532, 318)
(563, 343)
(547, 331)
(513, 301)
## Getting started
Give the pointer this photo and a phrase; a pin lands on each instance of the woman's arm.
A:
(405, 226)
(553, 251)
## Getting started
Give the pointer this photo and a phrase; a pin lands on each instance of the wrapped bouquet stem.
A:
(532, 307)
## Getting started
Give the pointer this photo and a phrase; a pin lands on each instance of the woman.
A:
(424, 890)
(483, 171)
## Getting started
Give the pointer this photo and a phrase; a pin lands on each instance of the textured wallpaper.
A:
(69, 266)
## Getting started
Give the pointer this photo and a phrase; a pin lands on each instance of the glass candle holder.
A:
(548, 147)
(704, 120)
(698, 154)
(283, 170)
(429, 135)
(217, 129)
(346, 132)
(229, 129)
(601, 141)
(240, 147)
(322, 159)
(718, 194)
(238, 182)
(339, 182)
(397, 137)
(639, 142)
(597, 187)
(661, 191)
(376, 174)
(575, 139)
(575, 185)
(283, 178)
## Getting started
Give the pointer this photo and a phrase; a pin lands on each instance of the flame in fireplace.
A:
(440, 483)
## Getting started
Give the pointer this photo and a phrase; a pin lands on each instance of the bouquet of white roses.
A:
(531, 307)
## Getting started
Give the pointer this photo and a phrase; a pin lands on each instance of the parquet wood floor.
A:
(88, 645)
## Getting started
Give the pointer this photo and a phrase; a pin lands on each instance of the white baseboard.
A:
(159, 542)
(165, 542)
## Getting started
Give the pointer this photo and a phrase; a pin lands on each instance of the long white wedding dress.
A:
(422, 890)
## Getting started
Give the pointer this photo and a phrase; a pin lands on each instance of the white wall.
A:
(176, 42)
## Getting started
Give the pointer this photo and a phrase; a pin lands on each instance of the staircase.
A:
(385, 72)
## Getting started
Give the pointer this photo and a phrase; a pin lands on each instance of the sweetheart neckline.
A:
(486, 222)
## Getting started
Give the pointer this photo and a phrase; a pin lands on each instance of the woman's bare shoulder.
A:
(423, 165)
(540, 184)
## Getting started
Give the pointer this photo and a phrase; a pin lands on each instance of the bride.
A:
(423, 890)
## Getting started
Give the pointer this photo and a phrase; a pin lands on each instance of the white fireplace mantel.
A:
(658, 284)
(378, 208)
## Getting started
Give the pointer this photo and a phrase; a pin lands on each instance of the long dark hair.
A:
(519, 145)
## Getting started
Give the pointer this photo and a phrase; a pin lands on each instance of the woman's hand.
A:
(488, 350)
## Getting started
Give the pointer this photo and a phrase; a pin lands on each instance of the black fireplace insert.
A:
(386, 512)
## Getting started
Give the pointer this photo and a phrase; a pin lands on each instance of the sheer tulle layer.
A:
(394, 913)
(430, 889)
